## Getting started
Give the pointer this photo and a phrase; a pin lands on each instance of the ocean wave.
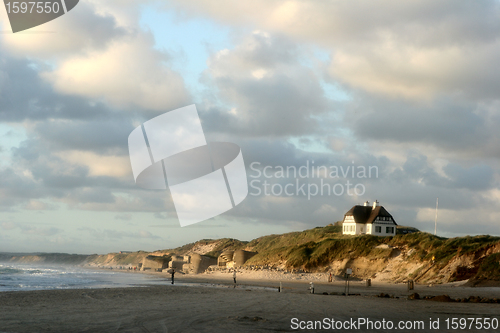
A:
(9, 270)
(38, 277)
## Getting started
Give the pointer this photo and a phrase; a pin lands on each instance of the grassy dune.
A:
(401, 257)
(397, 258)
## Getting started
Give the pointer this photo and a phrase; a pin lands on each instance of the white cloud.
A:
(129, 73)
(38, 205)
(98, 165)
(268, 90)
(410, 48)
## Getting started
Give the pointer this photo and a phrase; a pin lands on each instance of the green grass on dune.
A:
(443, 249)
(316, 248)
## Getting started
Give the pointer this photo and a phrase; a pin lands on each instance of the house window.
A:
(389, 230)
(378, 229)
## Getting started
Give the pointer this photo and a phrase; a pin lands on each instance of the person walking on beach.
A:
(234, 276)
(173, 273)
(311, 287)
(330, 278)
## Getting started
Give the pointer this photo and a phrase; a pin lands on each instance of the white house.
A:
(369, 219)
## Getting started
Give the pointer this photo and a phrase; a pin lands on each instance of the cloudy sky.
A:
(409, 88)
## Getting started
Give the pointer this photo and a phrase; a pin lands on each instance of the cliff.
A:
(420, 256)
(47, 258)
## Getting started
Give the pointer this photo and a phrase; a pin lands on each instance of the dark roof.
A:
(366, 214)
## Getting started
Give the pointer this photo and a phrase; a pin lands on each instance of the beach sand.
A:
(218, 307)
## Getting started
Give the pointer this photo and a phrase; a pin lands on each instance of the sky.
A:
(408, 90)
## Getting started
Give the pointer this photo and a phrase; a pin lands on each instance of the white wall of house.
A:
(383, 229)
(351, 228)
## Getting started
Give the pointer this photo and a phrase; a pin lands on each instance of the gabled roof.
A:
(366, 214)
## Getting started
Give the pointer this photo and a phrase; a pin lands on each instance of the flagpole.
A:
(436, 219)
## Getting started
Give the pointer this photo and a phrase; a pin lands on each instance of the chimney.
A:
(375, 204)
(367, 203)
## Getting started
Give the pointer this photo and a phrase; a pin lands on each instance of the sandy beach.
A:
(299, 282)
(210, 303)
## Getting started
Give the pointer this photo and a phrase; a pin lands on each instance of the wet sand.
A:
(187, 307)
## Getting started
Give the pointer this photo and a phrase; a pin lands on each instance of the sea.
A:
(14, 277)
